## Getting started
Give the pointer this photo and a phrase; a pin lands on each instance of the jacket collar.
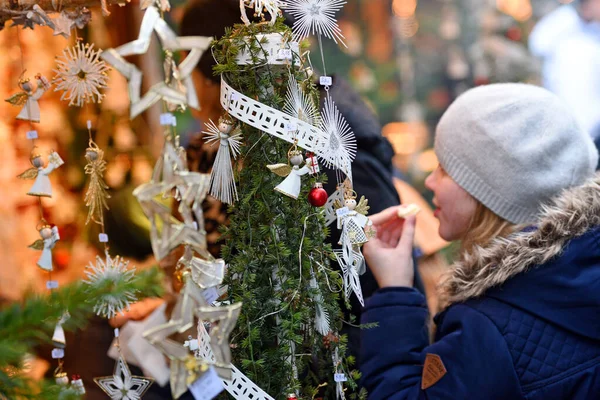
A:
(568, 216)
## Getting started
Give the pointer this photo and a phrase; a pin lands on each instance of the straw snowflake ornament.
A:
(109, 274)
(80, 74)
(315, 17)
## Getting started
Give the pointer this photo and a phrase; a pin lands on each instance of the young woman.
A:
(520, 315)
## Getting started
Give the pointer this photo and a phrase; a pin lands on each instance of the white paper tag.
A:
(234, 96)
(285, 53)
(32, 135)
(166, 119)
(208, 386)
(340, 212)
(291, 126)
(195, 225)
(116, 332)
(89, 124)
(325, 81)
(103, 237)
(192, 344)
(340, 377)
(51, 285)
(58, 353)
(210, 295)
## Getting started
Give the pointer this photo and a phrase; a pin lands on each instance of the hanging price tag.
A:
(58, 353)
(166, 119)
(326, 81)
(207, 387)
(340, 212)
(285, 53)
(340, 377)
(103, 237)
(32, 135)
(51, 285)
(210, 295)
(116, 332)
(192, 344)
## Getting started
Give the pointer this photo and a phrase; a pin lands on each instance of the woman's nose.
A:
(429, 182)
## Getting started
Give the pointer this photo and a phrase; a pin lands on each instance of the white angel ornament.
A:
(29, 97)
(49, 238)
(228, 136)
(42, 187)
(292, 183)
(352, 220)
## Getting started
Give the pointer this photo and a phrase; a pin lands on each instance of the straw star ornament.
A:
(170, 89)
(122, 385)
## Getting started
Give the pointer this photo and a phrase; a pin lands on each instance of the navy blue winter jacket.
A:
(523, 320)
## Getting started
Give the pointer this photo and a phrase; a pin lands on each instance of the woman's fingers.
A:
(384, 216)
(390, 232)
(407, 238)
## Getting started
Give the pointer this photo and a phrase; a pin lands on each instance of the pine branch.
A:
(31, 323)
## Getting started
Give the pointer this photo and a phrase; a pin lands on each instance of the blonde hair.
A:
(485, 226)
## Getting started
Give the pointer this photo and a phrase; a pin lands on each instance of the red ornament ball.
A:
(317, 196)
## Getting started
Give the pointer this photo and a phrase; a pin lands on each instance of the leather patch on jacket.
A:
(433, 371)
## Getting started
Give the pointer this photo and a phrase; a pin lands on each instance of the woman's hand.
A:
(389, 253)
(137, 312)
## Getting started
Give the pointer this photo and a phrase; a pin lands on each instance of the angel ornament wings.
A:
(49, 238)
(28, 98)
(293, 173)
(352, 220)
(42, 187)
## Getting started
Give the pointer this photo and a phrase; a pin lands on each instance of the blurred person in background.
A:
(568, 42)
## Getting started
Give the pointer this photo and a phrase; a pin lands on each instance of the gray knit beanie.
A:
(513, 147)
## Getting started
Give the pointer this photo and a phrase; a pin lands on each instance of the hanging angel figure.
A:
(96, 196)
(42, 187)
(222, 184)
(293, 174)
(352, 220)
(29, 97)
(49, 238)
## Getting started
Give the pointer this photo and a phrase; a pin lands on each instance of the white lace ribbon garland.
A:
(276, 123)
(239, 386)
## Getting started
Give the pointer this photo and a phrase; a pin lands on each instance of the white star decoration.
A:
(315, 17)
(170, 42)
(169, 173)
(122, 385)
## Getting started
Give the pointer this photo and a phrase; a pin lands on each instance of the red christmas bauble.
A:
(317, 196)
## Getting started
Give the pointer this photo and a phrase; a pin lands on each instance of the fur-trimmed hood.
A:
(564, 248)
